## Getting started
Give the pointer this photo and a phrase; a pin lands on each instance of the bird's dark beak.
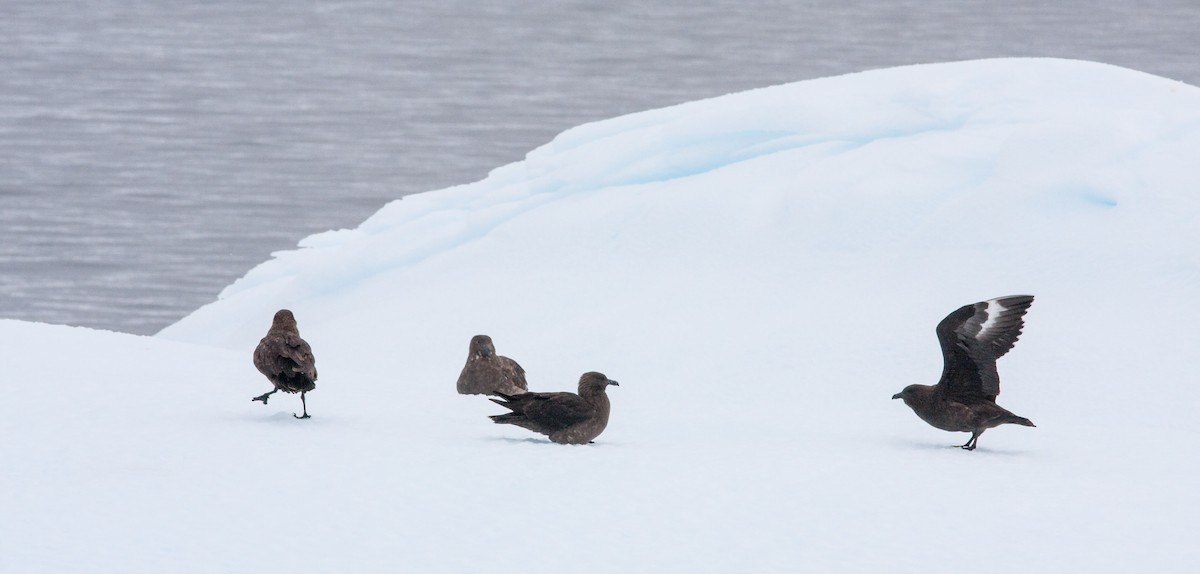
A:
(485, 352)
(613, 383)
(897, 396)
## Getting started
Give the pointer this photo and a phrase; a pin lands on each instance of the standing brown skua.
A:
(567, 418)
(972, 338)
(487, 373)
(286, 360)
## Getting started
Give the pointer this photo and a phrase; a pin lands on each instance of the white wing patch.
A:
(994, 309)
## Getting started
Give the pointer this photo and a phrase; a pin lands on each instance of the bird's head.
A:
(481, 346)
(283, 319)
(911, 392)
(594, 381)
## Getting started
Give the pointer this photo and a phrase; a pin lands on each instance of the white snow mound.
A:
(760, 271)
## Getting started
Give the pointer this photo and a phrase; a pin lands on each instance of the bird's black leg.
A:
(971, 443)
(263, 397)
(304, 404)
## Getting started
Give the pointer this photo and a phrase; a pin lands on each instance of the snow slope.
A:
(761, 271)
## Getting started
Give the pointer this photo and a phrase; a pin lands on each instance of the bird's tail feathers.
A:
(504, 401)
(1016, 420)
(506, 418)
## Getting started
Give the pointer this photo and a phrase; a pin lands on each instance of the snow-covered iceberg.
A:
(761, 271)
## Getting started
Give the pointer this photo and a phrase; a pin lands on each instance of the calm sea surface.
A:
(152, 152)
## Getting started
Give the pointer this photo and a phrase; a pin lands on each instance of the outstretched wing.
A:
(973, 337)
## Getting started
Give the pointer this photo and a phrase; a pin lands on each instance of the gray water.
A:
(151, 153)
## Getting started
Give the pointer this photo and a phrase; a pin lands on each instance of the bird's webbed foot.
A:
(263, 397)
(971, 443)
(304, 403)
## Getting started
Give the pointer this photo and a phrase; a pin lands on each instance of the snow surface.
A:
(761, 271)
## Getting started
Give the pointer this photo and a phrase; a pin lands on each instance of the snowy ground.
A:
(761, 272)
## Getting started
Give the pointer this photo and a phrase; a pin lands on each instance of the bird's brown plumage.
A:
(286, 359)
(567, 418)
(487, 373)
(972, 338)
